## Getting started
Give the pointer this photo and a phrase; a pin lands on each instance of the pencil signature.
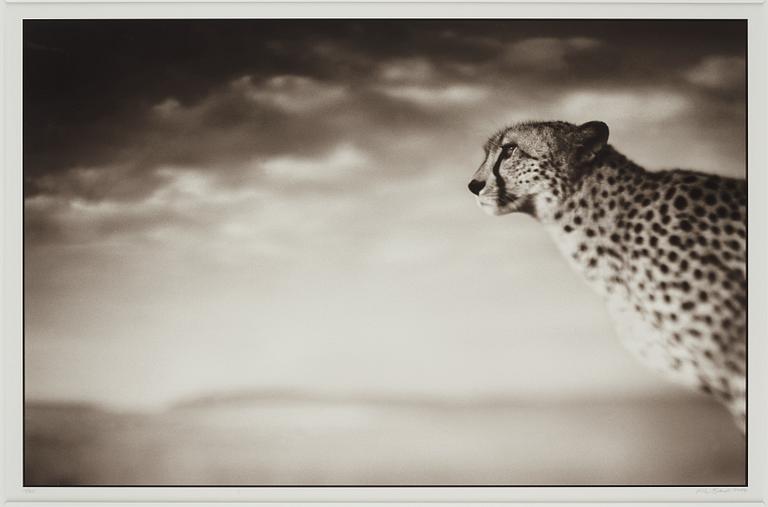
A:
(714, 491)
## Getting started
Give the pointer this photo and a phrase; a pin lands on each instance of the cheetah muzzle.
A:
(666, 249)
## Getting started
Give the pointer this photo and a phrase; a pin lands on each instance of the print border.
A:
(13, 323)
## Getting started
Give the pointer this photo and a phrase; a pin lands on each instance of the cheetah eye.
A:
(508, 149)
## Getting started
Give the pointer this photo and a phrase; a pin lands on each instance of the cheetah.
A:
(665, 249)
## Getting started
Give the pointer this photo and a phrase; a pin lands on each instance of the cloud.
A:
(547, 53)
(436, 96)
(625, 106)
(726, 73)
(189, 188)
(461, 38)
(408, 69)
(343, 160)
(244, 96)
(167, 107)
(54, 219)
(118, 181)
(223, 130)
(180, 198)
(291, 93)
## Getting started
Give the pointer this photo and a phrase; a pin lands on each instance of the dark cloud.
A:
(109, 104)
(86, 82)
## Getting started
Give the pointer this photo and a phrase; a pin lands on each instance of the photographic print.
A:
(385, 252)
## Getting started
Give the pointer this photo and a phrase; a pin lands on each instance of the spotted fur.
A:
(667, 249)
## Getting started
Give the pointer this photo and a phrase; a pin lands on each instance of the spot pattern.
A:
(667, 249)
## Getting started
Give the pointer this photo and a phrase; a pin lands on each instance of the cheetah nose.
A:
(475, 186)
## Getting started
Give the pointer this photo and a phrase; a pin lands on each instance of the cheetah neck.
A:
(585, 225)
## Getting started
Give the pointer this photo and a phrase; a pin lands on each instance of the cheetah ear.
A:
(591, 138)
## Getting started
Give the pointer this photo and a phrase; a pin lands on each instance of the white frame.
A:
(15, 10)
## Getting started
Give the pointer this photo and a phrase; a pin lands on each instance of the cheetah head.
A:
(532, 167)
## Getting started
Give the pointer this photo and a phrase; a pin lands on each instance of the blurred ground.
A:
(296, 441)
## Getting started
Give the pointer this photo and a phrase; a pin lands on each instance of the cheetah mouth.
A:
(507, 203)
(496, 199)
(498, 204)
(507, 199)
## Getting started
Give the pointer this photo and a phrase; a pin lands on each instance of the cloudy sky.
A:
(277, 204)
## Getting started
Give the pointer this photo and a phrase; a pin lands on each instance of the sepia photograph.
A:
(385, 252)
